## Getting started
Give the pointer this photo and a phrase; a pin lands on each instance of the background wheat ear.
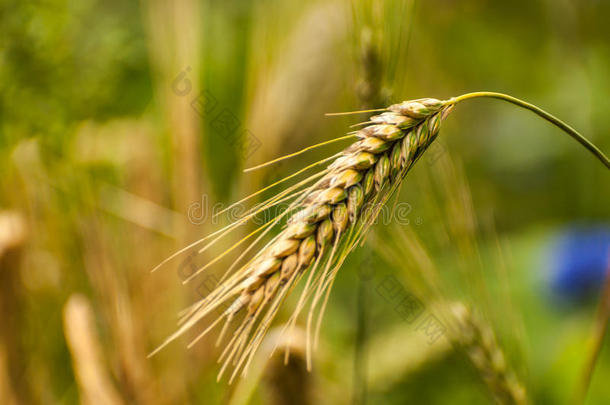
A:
(480, 345)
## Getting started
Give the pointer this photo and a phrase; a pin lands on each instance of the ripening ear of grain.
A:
(328, 219)
(330, 213)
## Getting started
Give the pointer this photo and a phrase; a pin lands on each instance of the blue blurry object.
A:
(579, 260)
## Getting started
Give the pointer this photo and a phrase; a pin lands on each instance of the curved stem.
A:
(536, 110)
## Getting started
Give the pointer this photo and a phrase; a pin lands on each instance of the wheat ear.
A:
(480, 344)
(327, 220)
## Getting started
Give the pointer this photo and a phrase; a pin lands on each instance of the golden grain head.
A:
(325, 220)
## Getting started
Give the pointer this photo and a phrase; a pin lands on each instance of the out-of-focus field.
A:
(125, 125)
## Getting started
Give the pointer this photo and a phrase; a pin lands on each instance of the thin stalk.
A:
(540, 112)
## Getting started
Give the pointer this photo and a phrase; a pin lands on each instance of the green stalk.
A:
(540, 112)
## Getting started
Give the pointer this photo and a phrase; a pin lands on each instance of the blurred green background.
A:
(124, 124)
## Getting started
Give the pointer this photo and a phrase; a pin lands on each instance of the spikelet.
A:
(328, 219)
(479, 343)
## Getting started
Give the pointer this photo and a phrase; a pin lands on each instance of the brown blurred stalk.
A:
(93, 379)
(288, 384)
(174, 45)
(14, 388)
(281, 383)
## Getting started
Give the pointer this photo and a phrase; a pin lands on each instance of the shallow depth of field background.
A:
(123, 125)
